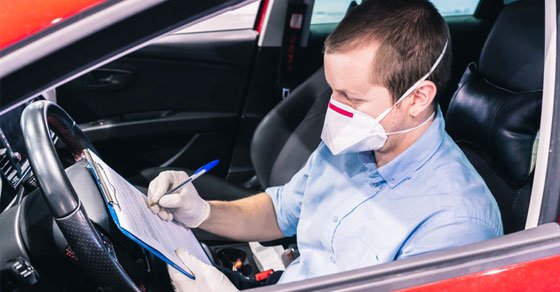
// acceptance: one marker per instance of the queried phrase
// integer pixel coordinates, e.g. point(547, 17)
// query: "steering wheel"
point(37, 122)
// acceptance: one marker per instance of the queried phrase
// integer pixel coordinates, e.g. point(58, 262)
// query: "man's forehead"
point(350, 69)
point(356, 50)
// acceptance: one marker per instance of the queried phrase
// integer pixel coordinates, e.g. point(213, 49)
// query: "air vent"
point(7, 168)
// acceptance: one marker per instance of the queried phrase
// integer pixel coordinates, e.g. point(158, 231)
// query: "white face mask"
point(349, 130)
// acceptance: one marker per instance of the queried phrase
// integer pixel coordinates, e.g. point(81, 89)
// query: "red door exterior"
point(538, 275)
point(20, 19)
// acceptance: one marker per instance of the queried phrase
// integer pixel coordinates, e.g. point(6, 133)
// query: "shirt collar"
point(412, 158)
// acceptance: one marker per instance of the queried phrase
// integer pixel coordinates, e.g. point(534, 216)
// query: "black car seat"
point(282, 142)
point(494, 115)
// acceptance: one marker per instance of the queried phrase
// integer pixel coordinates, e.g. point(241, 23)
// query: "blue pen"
point(202, 170)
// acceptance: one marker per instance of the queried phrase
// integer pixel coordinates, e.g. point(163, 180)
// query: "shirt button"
point(376, 184)
point(335, 219)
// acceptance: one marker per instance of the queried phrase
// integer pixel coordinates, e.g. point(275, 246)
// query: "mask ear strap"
point(385, 113)
point(413, 128)
point(413, 87)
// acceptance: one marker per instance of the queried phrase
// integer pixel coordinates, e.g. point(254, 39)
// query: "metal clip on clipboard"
point(108, 188)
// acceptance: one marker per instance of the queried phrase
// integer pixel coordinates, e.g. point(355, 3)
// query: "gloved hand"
point(207, 277)
point(185, 206)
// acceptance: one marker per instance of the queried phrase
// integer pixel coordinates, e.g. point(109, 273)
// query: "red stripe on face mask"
point(340, 111)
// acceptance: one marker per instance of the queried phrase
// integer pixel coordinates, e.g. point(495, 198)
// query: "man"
point(386, 183)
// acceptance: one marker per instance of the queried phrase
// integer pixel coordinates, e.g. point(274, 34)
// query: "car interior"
point(189, 98)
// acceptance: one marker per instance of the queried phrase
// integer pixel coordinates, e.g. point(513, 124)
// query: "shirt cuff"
point(286, 227)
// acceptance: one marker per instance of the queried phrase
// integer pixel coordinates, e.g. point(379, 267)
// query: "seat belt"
point(290, 50)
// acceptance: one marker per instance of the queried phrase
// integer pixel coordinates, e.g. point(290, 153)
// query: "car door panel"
point(156, 85)
point(175, 103)
point(177, 139)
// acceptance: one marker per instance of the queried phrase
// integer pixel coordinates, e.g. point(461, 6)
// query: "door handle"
point(107, 78)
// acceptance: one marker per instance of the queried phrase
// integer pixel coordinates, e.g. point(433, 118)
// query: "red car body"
point(539, 275)
point(22, 19)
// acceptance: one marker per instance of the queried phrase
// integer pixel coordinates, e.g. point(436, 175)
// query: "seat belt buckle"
point(263, 275)
point(289, 255)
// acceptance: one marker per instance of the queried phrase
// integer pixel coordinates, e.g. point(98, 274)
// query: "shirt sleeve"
point(287, 199)
point(446, 232)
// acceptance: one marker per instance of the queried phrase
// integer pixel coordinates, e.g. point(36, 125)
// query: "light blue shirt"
point(348, 213)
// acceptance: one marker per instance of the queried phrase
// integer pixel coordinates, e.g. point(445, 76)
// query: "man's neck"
point(399, 145)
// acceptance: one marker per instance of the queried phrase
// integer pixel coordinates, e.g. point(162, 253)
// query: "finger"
point(192, 263)
point(155, 209)
point(205, 272)
point(151, 187)
point(190, 189)
point(169, 216)
point(171, 201)
point(163, 215)
point(158, 187)
point(179, 281)
point(174, 274)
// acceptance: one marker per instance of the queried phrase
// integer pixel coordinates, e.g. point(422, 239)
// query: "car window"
point(329, 11)
point(332, 11)
point(240, 18)
point(456, 8)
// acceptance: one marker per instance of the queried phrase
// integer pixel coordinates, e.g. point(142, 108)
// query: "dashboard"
point(15, 170)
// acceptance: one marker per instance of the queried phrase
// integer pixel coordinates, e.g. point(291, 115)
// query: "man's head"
point(381, 49)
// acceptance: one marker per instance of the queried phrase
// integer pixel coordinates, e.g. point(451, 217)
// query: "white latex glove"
point(207, 277)
point(185, 206)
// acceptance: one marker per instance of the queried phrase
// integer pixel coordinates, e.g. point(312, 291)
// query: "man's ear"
point(422, 98)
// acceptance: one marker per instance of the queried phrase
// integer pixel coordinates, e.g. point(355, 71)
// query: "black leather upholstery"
point(501, 123)
point(288, 134)
point(494, 115)
point(513, 55)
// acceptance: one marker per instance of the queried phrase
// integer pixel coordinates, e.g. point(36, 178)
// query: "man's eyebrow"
point(349, 95)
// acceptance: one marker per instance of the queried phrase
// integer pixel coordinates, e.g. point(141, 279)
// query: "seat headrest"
point(496, 121)
point(513, 55)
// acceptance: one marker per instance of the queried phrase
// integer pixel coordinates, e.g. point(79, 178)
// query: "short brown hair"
point(411, 35)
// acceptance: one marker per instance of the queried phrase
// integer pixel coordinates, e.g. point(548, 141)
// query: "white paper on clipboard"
point(133, 216)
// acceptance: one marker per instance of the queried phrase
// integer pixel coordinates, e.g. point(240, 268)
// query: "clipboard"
point(107, 190)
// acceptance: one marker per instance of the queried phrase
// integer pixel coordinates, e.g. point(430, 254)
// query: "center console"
point(238, 256)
